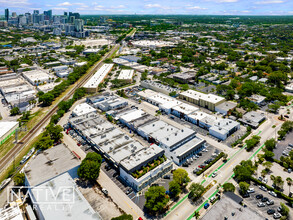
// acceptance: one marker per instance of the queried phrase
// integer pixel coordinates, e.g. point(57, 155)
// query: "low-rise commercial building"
point(93, 83)
point(158, 87)
point(107, 102)
point(60, 69)
point(37, 77)
point(126, 75)
point(253, 118)
point(123, 151)
point(185, 77)
point(82, 109)
point(225, 108)
point(209, 101)
point(7, 129)
point(257, 99)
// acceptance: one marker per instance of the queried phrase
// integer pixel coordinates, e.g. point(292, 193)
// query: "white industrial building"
point(7, 129)
point(152, 43)
point(51, 192)
point(82, 109)
point(126, 75)
point(37, 77)
point(60, 69)
point(121, 149)
point(158, 87)
point(107, 102)
point(62, 74)
point(93, 83)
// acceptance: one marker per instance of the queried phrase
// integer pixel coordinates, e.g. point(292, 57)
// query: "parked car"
point(271, 211)
point(207, 205)
point(290, 145)
point(279, 209)
point(277, 215)
point(129, 190)
point(246, 195)
point(289, 170)
point(272, 193)
point(259, 178)
point(261, 204)
point(167, 177)
point(265, 199)
point(270, 202)
point(259, 196)
point(265, 180)
point(105, 191)
point(250, 190)
point(263, 188)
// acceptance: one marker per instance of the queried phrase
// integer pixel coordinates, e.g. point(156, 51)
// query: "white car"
point(263, 188)
point(260, 204)
point(265, 180)
point(277, 215)
point(214, 174)
point(250, 190)
point(272, 193)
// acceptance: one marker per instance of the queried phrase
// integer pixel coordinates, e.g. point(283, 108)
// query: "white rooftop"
point(126, 74)
point(77, 206)
point(198, 95)
point(133, 115)
point(6, 126)
point(185, 108)
point(82, 109)
point(99, 76)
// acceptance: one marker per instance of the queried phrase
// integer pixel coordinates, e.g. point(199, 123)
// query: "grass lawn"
point(5, 42)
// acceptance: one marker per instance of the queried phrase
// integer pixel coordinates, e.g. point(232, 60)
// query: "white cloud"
point(153, 6)
point(119, 6)
point(226, 1)
point(16, 3)
point(65, 4)
point(196, 8)
point(265, 2)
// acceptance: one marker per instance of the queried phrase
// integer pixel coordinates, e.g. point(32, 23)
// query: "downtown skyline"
point(199, 7)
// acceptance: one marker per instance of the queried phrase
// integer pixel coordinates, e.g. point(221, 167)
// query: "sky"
point(193, 7)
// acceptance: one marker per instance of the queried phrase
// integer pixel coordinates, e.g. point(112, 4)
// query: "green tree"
point(54, 131)
point(244, 171)
point(174, 188)
point(284, 210)
point(196, 191)
point(243, 187)
point(46, 99)
point(156, 199)
point(268, 155)
point(19, 179)
point(270, 144)
point(123, 217)
point(289, 183)
point(14, 111)
point(90, 167)
point(181, 177)
point(229, 187)
point(184, 87)
point(44, 143)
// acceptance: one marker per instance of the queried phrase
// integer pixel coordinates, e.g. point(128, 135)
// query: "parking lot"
point(207, 153)
point(252, 202)
point(283, 146)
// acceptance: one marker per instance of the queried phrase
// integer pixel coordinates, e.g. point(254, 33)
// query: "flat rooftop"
point(224, 208)
point(6, 126)
point(82, 109)
point(226, 106)
point(201, 96)
point(50, 163)
point(126, 74)
point(99, 76)
point(77, 207)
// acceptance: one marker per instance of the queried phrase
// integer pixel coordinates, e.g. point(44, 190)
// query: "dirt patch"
point(99, 202)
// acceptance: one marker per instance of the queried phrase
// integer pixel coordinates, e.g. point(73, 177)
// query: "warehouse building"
point(223, 128)
point(82, 109)
point(37, 77)
point(126, 75)
point(60, 69)
point(209, 101)
point(158, 87)
point(123, 151)
point(179, 144)
point(7, 129)
point(107, 102)
point(225, 108)
point(253, 118)
point(94, 82)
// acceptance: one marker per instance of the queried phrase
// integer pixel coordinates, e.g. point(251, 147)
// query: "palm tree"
point(289, 182)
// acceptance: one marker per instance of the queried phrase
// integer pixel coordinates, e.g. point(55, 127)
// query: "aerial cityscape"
point(142, 110)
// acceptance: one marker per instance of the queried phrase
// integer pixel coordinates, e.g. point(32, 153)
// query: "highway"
point(13, 153)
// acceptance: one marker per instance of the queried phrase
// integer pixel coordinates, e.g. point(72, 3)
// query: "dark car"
point(264, 199)
point(107, 167)
point(271, 211)
point(259, 196)
point(167, 177)
point(246, 195)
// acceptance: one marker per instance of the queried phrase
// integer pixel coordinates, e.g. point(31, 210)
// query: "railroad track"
point(13, 153)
